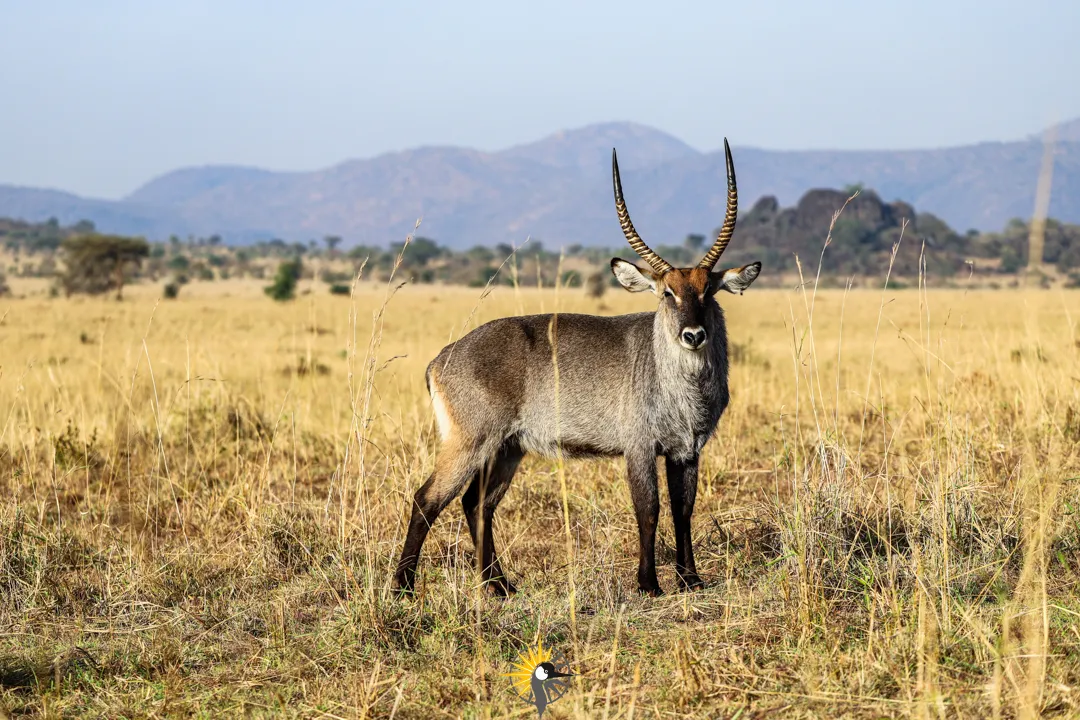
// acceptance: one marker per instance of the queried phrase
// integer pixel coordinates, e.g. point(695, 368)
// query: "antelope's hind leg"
point(454, 468)
point(487, 489)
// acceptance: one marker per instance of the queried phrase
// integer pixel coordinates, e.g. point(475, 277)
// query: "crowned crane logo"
point(540, 676)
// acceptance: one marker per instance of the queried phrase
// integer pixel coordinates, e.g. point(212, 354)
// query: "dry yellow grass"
point(201, 501)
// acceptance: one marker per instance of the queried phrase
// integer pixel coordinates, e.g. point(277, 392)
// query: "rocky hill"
point(559, 189)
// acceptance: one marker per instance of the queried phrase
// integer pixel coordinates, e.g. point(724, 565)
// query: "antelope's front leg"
point(682, 480)
point(641, 473)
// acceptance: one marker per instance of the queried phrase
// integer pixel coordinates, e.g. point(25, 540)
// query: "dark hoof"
point(402, 584)
point(653, 591)
point(500, 588)
point(688, 583)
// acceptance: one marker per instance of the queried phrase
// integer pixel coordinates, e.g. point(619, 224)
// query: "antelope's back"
point(501, 378)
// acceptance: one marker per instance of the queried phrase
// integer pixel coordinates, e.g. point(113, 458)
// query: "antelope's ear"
point(735, 280)
point(631, 277)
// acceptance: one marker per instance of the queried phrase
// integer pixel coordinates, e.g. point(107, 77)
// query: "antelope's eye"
point(668, 293)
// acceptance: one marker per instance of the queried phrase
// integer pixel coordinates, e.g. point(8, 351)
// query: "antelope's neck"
point(690, 392)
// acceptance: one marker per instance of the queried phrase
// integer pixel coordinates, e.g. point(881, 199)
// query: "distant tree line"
point(863, 236)
point(81, 260)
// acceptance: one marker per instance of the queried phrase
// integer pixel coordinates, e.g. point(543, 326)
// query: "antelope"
point(640, 385)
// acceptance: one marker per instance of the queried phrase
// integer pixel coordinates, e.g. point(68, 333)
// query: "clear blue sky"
point(98, 97)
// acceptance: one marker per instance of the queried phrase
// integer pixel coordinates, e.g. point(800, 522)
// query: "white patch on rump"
point(442, 414)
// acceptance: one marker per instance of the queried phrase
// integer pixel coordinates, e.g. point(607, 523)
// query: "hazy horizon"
point(110, 96)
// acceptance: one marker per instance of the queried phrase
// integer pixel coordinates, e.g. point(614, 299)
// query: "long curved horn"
point(644, 251)
point(724, 236)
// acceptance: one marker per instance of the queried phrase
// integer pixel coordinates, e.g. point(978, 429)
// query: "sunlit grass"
point(206, 497)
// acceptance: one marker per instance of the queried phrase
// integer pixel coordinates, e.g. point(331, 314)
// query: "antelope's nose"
point(693, 337)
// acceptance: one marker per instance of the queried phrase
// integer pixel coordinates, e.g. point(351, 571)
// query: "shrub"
point(171, 290)
point(596, 284)
point(284, 286)
point(332, 276)
point(483, 277)
point(178, 262)
point(1011, 260)
point(340, 289)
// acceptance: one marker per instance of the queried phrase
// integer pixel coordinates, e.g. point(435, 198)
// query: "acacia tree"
point(95, 264)
point(694, 242)
point(332, 241)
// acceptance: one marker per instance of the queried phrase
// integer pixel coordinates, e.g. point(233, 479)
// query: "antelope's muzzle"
point(692, 338)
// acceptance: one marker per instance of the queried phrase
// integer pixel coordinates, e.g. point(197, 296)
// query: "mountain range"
point(558, 190)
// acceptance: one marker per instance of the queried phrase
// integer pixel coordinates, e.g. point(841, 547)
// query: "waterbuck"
point(639, 385)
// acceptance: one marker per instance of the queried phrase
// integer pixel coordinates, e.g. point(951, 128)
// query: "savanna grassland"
point(201, 501)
